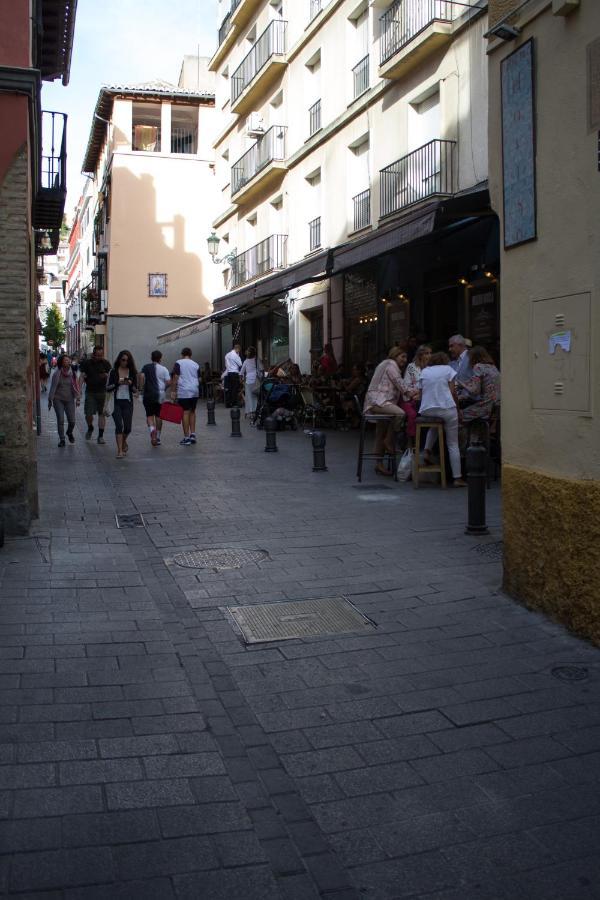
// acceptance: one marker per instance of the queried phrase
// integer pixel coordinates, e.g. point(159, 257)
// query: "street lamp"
point(213, 242)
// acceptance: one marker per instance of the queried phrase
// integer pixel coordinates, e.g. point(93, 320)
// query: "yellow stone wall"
point(552, 546)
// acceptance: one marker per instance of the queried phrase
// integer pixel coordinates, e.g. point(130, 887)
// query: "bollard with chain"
point(271, 435)
point(235, 422)
point(318, 441)
point(477, 484)
point(210, 412)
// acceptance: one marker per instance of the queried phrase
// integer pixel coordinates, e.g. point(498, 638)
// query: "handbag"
point(171, 412)
point(255, 389)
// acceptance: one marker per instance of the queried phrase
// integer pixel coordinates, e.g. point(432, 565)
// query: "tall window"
point(145, 120)
point(184, 129)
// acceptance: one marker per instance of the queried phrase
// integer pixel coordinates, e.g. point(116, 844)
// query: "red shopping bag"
point(171, 412)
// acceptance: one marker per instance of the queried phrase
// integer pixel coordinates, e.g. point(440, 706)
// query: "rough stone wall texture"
point(500, 8)
point(18, 475)
point(552, 546)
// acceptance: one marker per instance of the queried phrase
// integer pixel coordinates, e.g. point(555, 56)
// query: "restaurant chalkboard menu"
point(483, 319)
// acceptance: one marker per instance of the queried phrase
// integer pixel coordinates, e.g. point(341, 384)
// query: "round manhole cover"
point(570, 673)
point(218, 559)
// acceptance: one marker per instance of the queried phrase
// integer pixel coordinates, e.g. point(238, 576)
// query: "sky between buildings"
point(124, 42)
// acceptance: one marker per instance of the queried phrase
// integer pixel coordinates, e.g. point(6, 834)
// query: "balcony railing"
point(406, 18)
point(314, 234)
point(315, 8)
point(259, 260)
point(362, 209)
point(418, 175)
point(49, 205)
point(270, 147)
point(225, 28)
point(314, 118)
point(183, 140)
point(272, 42)
point(360, 76)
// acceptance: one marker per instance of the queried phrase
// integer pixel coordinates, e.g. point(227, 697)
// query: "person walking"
point(122, 383)
point(185, 385)
point(94, 374)
point(153, 382)
point(44, 373)
point(231, 381)
point(64, 396)
point(249, 373)
point(439, 400)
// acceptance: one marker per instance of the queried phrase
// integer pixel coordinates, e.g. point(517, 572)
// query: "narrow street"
point(447, 751)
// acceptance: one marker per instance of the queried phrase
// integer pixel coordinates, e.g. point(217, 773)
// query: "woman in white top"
point(438, 400)
point(249, 373)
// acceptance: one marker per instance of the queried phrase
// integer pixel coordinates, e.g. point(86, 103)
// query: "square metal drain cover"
point(218, 559)
point(132, 520)
point(298, 619)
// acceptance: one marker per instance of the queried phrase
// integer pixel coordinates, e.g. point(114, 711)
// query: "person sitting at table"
point(438, 399)
point(355, 386)
point(328, 362)
point(483, 388)
point(295, 376)
point(382, 398)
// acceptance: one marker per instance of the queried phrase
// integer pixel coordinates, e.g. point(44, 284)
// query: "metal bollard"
point(318, 441)
point(235, 423)
point(210, 412)
point(271, 435)
point(477, 483)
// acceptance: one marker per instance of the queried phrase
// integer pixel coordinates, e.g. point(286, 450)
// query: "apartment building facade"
point(544, 128)
point(149, 156)
point(352, 168)
point(36, 40)
point(81, 317)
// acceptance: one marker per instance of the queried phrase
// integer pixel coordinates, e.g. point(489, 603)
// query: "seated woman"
point(438, 400)
point(410, 393)
point(483, 388)
point(382, 397)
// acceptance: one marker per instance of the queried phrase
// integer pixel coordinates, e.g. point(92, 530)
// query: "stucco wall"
point(498, 9)
point(139, 335)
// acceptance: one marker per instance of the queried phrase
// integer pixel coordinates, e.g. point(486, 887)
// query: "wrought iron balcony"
point(314, 118)
point(423, 173)
point(269, 148)
point(362, 209)
point(405, 19)
point(259, 260)
point(314, 234)
point(49, 204)
point(315, 8)
point(360, 76)
point(272, 42)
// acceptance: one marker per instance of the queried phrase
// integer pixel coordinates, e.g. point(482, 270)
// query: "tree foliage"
point(54, 327)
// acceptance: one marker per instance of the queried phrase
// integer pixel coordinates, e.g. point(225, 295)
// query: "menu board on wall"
point(518, 146)
point(397, 324)
point(483, 318)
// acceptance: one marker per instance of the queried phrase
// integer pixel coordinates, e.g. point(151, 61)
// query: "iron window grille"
point(314, 118)
point(314, 234)
point(362, 209)
point(360, 76)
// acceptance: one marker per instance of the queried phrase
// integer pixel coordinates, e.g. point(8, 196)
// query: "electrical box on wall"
point(560, 353)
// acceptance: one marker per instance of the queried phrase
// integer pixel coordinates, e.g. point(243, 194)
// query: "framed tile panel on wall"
point(518, 146)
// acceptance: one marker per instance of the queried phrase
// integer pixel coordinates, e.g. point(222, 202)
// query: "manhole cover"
point(219, 559)
point(492, 551)
point(298, 619)
point(570, 673)
point(132, 520)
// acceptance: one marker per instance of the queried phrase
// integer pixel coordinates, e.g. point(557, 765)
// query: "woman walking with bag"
point(64, 396)
point(250, 375)
point(122, 385)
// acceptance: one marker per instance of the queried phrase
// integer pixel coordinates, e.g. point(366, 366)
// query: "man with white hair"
point(459, 357)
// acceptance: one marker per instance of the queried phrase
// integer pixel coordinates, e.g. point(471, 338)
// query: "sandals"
point(120, 455)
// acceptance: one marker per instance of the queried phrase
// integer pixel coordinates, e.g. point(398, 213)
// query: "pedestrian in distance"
point(94, 374)
point(64, 396)
point(250, 376)
point(231, 381)
point(154, 379)
point(122, 383)
point(44, 373)
point(185, 388)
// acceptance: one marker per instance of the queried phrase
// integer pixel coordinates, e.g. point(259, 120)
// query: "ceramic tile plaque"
point(518, 146)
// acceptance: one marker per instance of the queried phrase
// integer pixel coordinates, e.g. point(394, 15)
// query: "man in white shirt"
point(459, 357)
point(231, 382)
point(185, 379)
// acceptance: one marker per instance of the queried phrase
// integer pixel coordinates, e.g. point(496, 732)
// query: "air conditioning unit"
point(255, 125)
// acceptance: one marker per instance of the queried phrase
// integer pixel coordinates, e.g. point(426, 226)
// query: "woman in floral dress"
point(483, 388)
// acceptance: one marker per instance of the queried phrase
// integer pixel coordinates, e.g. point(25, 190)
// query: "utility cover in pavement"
point(493, 551)
point(298, 619)
point(219, 559)
point(132, 520)
point(570, 673)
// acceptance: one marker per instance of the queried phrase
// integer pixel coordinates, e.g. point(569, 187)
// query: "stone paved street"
point(147, 752)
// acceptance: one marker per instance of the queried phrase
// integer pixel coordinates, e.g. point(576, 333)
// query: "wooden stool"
point(364, 419)
point(423, 423)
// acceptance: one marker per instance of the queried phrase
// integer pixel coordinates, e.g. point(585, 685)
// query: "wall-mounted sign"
point(518, 146)
point(157, 284)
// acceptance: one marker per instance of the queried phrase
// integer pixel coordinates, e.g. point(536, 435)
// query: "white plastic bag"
point(405, 466)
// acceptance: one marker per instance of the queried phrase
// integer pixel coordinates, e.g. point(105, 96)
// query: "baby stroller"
point(281, 401)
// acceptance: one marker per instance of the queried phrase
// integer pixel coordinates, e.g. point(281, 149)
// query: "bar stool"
point(423, 423)
point(365, 418)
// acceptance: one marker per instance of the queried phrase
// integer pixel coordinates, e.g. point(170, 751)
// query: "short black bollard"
point(210, 412)
point(318, 441)
point(235, 423)
point(477, 483)
point(271, 435)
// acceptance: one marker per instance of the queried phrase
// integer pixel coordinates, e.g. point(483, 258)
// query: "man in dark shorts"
point(154, 379)
point(94, 372)
point(186, 384)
